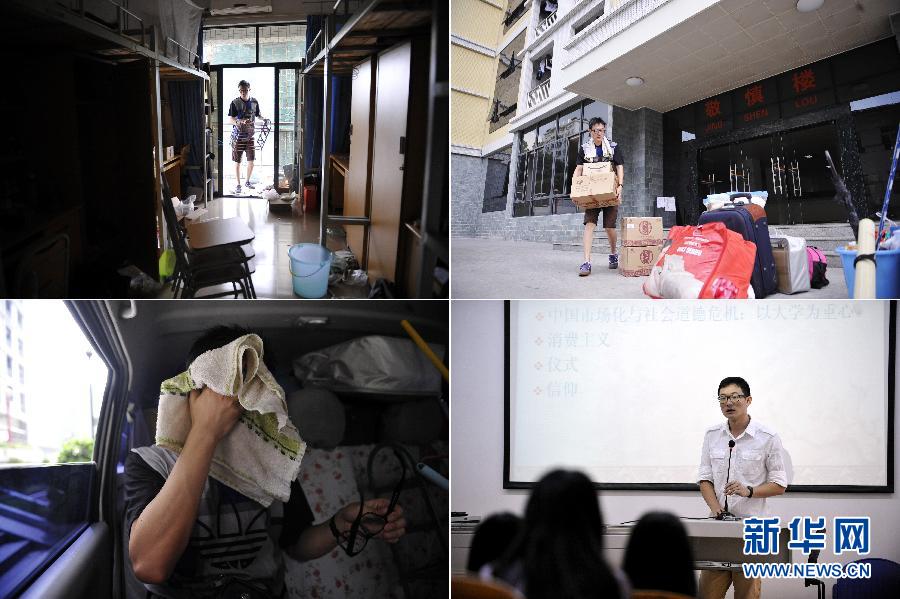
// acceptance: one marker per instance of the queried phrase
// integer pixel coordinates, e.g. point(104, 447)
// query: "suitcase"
point(791, 264)
point(739, 219)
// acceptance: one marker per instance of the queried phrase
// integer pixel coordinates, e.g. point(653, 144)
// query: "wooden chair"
point(198, 270)
point(209, 258)
point(469, 587)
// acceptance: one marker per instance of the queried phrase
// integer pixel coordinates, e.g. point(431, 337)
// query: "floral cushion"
point(329, 482)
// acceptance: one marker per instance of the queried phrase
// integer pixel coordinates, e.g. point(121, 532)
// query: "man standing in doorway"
point(600, 149)
point(243, 111)
point(741, 464)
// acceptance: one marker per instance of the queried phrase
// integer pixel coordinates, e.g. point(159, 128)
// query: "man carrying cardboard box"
point(600, 149)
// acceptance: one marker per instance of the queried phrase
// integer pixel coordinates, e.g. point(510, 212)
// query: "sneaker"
point(614, 261)
point(237, 190)
point(250, 185)
point(585, 269)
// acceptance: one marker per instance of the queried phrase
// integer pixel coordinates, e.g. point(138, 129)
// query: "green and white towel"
point(261, 455)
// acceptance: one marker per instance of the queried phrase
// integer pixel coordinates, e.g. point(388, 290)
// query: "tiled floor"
point(275, 233)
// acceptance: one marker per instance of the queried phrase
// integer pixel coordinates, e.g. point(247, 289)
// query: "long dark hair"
point(659, 555)
point(560, 548)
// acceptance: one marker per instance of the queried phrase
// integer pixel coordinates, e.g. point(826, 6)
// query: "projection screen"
point(624, 391)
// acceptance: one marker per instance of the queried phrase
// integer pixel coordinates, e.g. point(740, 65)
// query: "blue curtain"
point(186, 101)
point(339, 109)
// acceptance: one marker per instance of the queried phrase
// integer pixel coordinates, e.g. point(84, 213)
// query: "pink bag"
point(818, 262)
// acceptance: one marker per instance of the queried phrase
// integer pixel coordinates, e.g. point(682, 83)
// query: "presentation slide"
point(625, 393)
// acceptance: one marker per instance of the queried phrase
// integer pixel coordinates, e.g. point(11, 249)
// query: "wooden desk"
point(338, 166)
point(219, 232)
point(171, 170)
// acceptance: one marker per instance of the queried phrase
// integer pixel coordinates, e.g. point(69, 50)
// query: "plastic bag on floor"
point(373, 364)
point(141, 284)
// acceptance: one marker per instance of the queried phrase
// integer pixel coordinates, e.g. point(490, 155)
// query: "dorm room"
point(117, 107)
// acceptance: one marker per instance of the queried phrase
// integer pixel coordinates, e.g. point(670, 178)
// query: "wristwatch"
point(751, 491)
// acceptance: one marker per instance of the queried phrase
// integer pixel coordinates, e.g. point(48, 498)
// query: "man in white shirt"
point(757, 471)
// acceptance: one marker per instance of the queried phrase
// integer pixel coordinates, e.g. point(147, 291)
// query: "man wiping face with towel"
point(205, 504)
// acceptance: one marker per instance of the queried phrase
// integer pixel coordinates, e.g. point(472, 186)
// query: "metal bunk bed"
point(375, 26)
point(130, 36)
point(125, 39)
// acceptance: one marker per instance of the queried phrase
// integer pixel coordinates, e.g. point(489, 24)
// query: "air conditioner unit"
point(218, 8)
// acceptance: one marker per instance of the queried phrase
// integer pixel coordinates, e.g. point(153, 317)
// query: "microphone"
point(726, 514)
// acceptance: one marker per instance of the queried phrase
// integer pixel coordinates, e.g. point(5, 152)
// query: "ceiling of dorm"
point(719, 48)
point(43, 37)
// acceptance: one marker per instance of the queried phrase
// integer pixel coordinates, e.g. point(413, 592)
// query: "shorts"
point(241, 146)
point(243, 141)
point(592, 215)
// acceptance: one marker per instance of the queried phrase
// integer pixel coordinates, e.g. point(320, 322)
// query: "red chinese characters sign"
point(714, 115)
point(755, 103)
point(806, 88)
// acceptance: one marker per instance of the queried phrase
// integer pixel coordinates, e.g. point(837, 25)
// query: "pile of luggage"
point(729, 255)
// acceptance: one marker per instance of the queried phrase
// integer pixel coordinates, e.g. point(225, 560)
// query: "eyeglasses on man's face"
point(734, 397)
point(598, 131)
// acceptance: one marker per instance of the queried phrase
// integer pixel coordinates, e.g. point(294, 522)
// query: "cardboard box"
point(596, 190)
point(638, 261)
point(641, 230)
point(781, 267)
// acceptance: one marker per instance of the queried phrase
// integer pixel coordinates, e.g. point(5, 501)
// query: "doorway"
point(789, 165)
point(262, 88)
point(276, 88)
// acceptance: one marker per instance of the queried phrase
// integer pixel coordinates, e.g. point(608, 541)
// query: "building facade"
point(13, 426)
point(703, 96)
point(486, 45)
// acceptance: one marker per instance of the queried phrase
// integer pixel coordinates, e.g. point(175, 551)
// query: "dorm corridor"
point(210, 148)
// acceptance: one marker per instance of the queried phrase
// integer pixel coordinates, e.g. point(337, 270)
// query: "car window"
point(51, 391)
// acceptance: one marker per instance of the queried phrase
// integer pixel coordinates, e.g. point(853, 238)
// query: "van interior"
point(359, 441)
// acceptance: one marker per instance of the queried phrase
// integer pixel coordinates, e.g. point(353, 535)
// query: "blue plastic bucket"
point(310, 266)
point(887, 272)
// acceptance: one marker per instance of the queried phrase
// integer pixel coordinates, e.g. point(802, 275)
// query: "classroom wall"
point(477, 460)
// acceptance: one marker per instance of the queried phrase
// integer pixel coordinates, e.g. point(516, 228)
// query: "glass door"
point(811, 178)
point(789, 165)
point(286, 142)
point(262, 87)
point(215, 135)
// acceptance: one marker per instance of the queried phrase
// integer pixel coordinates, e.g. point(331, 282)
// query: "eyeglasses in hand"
point(369, 524)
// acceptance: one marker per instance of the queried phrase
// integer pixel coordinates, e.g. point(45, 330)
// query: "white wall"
point(477, 453)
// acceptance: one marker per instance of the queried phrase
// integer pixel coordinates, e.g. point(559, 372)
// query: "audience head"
point(659, 555)
point(560, 550)
point(492, 538)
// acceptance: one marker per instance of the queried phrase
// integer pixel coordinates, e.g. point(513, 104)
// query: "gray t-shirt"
point(233, 538)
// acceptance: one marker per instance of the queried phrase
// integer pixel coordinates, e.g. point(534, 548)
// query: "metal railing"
point(315, 46)
point(194, 57)
point(538, 94)
point(122, 22)
point(513, 14)
point(141, 34)
point(544, 25)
